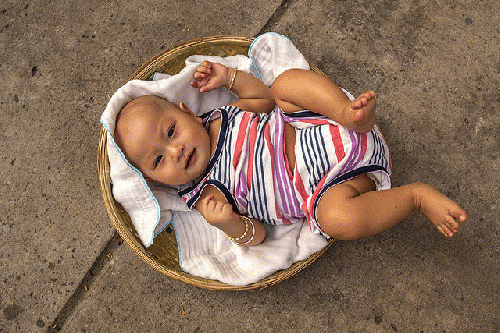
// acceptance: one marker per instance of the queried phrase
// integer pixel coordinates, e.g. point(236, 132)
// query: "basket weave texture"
point(162, 254)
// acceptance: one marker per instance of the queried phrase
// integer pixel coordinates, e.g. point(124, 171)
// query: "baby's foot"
point(441, 210)
point(360, 113)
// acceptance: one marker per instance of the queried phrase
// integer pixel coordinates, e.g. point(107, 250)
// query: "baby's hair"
point(123, 120)
point(126, 113)
point(125, 117)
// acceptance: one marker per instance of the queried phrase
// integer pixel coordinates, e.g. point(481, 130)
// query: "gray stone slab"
point(435, 67)
point(59, 63)
point(375, 285)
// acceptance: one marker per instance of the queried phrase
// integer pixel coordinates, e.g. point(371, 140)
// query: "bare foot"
point(360, 113)
point(441, 210)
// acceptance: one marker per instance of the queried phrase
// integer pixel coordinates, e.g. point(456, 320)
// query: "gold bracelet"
point(246, 220)
point(253, 232)
point(230, 83)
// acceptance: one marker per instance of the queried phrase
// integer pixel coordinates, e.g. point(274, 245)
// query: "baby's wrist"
point(234, 228)
point(248, 234)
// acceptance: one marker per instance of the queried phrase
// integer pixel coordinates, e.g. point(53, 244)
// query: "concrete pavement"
point(436, 68)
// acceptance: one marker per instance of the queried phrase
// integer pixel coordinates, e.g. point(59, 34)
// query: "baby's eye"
point(158, 160)
point(171, 131)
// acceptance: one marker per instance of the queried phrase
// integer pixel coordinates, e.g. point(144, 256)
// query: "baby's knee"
point(289, 74)
point(341, 224)
point(283, 80)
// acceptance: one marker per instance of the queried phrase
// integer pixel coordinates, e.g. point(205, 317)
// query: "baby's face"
point(167, 143)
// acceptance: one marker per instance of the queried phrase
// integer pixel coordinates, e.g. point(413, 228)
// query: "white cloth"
point(204, 250)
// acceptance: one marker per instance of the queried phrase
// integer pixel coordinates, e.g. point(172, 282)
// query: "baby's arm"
point(214, 207)
point(254, 96)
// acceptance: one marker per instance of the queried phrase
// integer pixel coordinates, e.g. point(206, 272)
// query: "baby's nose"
point(176, 151)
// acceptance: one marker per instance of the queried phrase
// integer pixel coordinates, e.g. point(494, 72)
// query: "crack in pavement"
point(277, 15)
point(99, 264)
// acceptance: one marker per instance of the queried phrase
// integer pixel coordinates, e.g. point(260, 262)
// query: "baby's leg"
point(348, 211)
point(298, 89)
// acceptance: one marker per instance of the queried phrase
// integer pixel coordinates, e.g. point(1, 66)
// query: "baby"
point(300, 149)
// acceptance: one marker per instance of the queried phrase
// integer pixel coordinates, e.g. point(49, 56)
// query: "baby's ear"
point(184, 108)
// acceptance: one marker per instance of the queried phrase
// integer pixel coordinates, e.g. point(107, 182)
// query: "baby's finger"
point(199, 75)
point(208, 199)
point(227, 209)
point(207, 87)
point(206, 63)
point(204, 89)
point(211, 206)
point(204, 68)
point(219, 206)
point(196, 83)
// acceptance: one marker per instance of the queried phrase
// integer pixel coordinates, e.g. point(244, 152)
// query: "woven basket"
point(162, 254)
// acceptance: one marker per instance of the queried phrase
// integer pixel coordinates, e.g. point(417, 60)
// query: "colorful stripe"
point(251, 169)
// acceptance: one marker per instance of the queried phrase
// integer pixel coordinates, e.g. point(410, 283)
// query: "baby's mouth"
point(190, 159)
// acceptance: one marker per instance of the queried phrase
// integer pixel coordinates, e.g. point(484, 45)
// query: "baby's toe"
point(359, 115)
point(452, 224)
point(458, 214)
point(442, 228)
point(356, 104)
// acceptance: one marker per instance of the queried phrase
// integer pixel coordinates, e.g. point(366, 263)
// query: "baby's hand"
point(218, 213)
point(210, 76)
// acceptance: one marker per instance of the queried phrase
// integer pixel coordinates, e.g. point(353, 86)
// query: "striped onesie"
point(250, 168)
